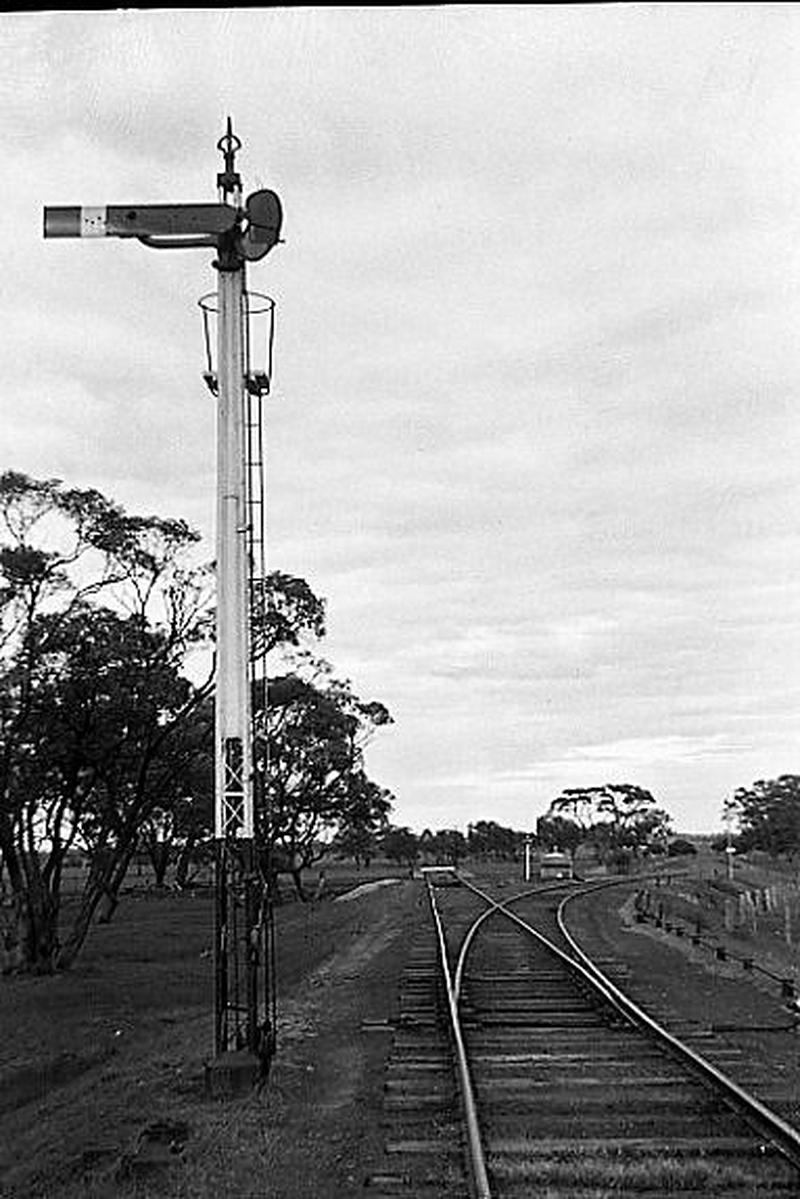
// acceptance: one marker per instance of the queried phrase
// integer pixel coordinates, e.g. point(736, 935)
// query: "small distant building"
point(555, 864)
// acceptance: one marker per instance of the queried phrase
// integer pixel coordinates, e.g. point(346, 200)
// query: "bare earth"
point(77, 1092)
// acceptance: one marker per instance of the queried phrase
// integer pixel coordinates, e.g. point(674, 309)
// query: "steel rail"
point(783, 1135)
point(494, 906)
point(477, 1157)
point(609, 994)
point(761, 1118)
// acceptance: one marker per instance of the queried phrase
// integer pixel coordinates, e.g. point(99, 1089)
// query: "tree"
point(96, 761)
point(180, 825)
point(364, 815)
point(450, 845)
point(620, 819)
point(768, 814)
point(359, 844)
point(89, 692)
point(426, 844)
point(103, 737)
point(313, 733)
point(627, 809)
point(558, 832)
point(290, 613)
point(577, 804)
point(400, 844)
point(487, 839)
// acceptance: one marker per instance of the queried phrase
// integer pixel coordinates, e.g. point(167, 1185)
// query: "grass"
point(90, 1058)
point(706, 900)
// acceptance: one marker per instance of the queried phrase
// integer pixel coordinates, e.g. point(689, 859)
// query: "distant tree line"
point(616, 823)
point(483, 840)
point(106, 740)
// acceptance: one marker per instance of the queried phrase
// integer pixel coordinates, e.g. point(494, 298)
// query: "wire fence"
point(715, 913)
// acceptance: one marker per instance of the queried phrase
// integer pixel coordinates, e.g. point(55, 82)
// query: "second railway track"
point(513, 1075)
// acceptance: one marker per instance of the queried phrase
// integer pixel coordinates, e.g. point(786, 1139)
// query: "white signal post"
point(234, 756)
point(244, 1024)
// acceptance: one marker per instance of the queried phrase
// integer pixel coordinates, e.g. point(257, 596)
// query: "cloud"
point(645, 751)
point(533, 431)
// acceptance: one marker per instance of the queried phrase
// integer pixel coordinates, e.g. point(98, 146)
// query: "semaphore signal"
point(239, 232)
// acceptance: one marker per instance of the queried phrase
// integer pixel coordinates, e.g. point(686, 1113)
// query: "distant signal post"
point(238, 232)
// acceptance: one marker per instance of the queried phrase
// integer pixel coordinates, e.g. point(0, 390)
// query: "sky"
point(534, 427)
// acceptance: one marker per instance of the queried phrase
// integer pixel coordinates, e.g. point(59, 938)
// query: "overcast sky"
point(535, 429)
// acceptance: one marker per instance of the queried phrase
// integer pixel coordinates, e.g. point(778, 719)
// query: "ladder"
point(256, 389)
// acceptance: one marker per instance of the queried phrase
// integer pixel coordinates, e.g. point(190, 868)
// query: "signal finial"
point(229, 181)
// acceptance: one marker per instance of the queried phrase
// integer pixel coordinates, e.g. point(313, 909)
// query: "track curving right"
point(545, 1086)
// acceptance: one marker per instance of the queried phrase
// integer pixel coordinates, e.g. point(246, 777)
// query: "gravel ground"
point(327, 1082)
point(691, 992)
point(322, 1107)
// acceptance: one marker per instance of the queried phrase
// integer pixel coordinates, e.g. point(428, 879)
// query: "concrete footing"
point(234, 1074)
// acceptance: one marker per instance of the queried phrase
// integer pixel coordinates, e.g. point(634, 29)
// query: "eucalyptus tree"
point(177, 834)
point(363, 817)
point(768, 815)
point(97, 612)
point(617, 818)
point(311, 738)
point(554, 831)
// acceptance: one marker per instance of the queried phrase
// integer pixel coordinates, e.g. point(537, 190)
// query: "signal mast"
point(239, 232)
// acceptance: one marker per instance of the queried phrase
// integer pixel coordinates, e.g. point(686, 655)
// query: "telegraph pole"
point(244, 1030)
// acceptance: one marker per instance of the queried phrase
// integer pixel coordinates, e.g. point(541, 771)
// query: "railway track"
point(520, 1068)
